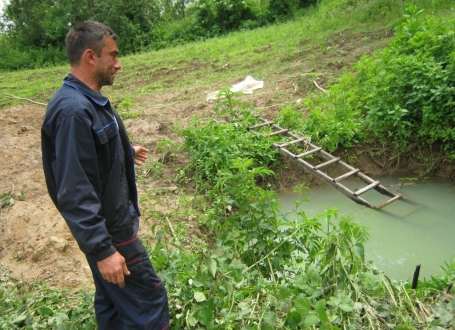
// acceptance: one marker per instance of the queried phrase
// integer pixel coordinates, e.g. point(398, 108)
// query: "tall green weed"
point(407, 90)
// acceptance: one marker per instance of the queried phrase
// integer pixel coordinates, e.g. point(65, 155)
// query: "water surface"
point(403, 236)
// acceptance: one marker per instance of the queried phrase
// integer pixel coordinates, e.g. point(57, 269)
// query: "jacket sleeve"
point(78, 185)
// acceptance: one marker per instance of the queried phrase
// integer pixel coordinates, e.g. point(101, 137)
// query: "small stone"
point(38, 253)
point(58, 243)
point(87, 270)
point(68, 267)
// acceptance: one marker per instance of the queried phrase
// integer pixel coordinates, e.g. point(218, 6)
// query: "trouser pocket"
point(143, 288)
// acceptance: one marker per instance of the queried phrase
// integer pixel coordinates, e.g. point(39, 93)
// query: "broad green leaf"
point(60, 318)
point(383, 309)
point(320, 309)
point(191, 320)
point(45, 311)
point(204, 315)
point(212, 266)
point(302, 305)
point(445, 316)
point(265, 326)
point(346, 305)
point(359, 251)
point(293, 319)
point(199, 297)
point(310, 320)
point(300, 282)
point(270, 318)
point(451, 306)
point(325, 327)
point(20, 318)
point(273, 300)
point(284, 292)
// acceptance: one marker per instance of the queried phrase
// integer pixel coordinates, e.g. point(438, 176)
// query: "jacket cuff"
point(103, 254)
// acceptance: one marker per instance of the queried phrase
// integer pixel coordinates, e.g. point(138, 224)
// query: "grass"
point(310, 44)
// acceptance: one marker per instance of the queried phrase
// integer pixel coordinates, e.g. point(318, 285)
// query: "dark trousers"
point(141, 304)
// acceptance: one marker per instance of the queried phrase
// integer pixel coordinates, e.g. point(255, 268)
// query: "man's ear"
point(89, 56)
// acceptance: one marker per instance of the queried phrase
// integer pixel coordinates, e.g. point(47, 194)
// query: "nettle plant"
point(406, 91)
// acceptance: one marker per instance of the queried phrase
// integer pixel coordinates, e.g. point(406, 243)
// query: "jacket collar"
point(82, 88)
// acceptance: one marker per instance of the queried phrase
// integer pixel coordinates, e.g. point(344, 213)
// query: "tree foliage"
point(40, 26)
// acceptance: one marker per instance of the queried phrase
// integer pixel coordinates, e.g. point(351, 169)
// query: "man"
point(89, 167)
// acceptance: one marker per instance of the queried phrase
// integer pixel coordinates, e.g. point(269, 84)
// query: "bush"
point(406, 91)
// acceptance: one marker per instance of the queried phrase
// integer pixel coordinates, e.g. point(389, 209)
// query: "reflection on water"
point(406, 234)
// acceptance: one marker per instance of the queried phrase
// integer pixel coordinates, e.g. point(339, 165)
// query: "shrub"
point(405, 91)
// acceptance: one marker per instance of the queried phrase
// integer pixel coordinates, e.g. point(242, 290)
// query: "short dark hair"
point(86, 35)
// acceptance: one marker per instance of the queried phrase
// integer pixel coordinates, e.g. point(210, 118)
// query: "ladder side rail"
point(346, 166)
point(365, 177)
point(324, 177)
point(383, 190)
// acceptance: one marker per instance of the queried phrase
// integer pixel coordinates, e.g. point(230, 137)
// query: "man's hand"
point(140, 155)
point(113, 269)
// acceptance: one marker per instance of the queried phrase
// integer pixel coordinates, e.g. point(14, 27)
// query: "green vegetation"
point(36, 306)
point(254, 267)
point(405, 93)
point(34, 31)
point(260, 269)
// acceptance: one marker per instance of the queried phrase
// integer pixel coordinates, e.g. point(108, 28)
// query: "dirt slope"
point(35, 243)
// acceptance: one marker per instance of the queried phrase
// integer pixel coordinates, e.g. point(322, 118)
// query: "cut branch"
point(24, 99)
point(170, 226)
point(320, 88)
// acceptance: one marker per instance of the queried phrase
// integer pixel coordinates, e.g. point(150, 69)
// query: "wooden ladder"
point(311, 149)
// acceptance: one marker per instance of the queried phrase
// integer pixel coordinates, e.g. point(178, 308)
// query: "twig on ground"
point(22, 98)
point(320, 88)
point(170, 226)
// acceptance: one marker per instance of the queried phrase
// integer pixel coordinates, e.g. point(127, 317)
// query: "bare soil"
point(35, 242)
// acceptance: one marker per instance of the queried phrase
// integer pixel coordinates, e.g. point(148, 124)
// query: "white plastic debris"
point(246, 87)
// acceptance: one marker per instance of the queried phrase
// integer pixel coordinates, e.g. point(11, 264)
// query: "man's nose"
point(117, 65)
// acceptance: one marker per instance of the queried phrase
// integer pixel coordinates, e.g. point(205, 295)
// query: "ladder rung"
point(393, 199)
point(261, 125)
point(308, 152)
point(289, 143)
point(281, 131)
point(346, 175)
point(334, 160)
point(365, 189)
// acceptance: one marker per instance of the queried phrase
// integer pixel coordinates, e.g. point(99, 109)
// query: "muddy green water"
point(407, 234)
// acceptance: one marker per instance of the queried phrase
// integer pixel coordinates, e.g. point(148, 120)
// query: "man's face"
point(107, 64)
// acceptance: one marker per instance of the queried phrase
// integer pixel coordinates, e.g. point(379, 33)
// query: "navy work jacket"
point(88, 163)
